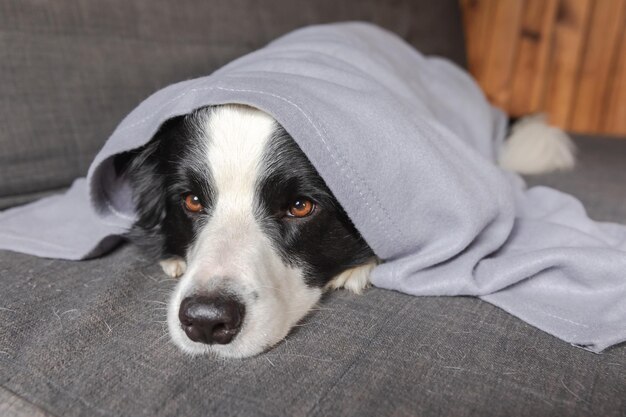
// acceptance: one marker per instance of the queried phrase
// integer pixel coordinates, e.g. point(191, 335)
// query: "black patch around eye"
point(188, 182)
point(159, 174)
point(323, 245)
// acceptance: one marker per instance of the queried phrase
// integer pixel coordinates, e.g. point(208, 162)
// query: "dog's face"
point(226, 196)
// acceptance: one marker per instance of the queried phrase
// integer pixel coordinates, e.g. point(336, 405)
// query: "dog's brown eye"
point(301, 207)
point(192, 203)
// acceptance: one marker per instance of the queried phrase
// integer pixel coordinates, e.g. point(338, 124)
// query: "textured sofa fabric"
point(599, 180)
point(88, 338)
point(72, 70)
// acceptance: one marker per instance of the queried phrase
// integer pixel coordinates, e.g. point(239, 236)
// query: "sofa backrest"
point(71, 70)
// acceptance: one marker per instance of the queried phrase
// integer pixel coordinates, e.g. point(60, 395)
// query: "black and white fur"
point(248, 271)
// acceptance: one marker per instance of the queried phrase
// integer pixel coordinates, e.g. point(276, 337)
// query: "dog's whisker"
point(306, 323)
point(150, 277)
point(301, 356)
point(323, 309)
point(162, 336)
point(155, 301)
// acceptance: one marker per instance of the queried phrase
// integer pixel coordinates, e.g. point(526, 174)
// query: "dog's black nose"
point(211, 318)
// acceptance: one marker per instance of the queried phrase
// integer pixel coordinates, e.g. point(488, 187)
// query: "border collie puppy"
point(227, 200)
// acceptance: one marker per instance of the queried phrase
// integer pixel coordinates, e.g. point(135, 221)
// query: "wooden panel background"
point(566, 58)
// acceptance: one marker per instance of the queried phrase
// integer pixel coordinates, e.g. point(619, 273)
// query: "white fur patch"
point(231, 252)
point(173, 267)
point(534, 147)
point(354, 279)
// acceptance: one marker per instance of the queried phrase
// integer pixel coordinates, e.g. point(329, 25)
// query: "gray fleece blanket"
point(407, 144)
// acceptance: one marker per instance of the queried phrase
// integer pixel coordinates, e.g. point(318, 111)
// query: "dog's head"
point(226, 196)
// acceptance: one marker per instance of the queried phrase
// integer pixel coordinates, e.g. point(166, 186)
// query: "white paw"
point(354, 279)
point(174, 267)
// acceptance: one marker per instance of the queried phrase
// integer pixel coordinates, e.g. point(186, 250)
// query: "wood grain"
point(570, 31)
point(503, 36)
point(615, 116)
point(566, 58)
point(476, 18)
point(530, 71)
point(600, 50)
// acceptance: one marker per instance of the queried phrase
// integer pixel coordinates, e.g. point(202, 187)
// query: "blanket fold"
point(407, 144)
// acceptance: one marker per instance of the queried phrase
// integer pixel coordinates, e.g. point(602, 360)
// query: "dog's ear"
point(126, 162)
point(145, 170)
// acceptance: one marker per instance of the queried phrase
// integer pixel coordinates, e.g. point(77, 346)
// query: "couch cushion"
point(599, 180)
point(70, 71)
point(87, 338)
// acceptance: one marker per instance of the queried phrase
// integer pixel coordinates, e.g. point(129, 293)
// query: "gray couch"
point(88, 338)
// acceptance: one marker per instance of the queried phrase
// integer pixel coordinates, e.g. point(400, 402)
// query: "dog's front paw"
point(355, 279)
point(174, 267)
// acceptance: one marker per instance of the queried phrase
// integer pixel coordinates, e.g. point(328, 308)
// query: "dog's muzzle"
point(211, 319)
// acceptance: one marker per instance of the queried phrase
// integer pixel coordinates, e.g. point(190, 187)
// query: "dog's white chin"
point(268, 320)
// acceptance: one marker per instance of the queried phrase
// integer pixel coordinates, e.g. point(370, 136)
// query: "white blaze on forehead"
point(237, 136)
